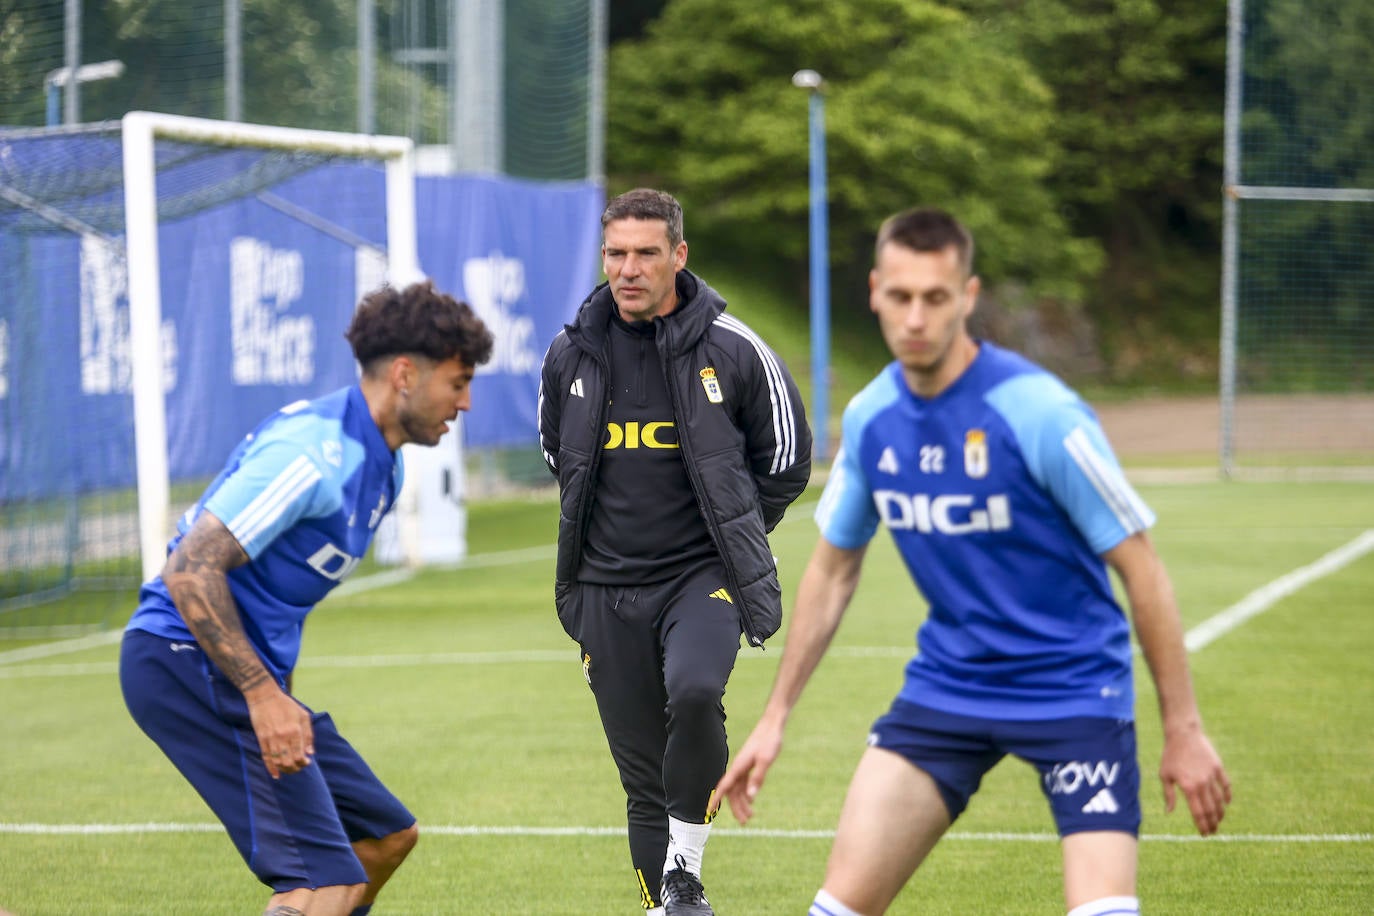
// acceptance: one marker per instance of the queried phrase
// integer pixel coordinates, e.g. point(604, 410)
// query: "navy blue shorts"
point(1087, 765)
point(293, 832)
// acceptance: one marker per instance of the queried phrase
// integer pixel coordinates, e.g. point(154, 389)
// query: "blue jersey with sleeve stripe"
point(303, 495)
point(1001, 493)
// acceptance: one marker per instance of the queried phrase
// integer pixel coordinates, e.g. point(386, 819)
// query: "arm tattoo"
point(196, 579)
point(283, 910)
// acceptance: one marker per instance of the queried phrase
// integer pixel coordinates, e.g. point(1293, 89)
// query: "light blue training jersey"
point(302, 494)
point(1000, 493)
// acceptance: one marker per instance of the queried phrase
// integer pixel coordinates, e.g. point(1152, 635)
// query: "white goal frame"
point(140, 130)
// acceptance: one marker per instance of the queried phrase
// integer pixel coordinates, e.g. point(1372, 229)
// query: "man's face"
point(922, 300)
point(440, 391)
point(641, 267)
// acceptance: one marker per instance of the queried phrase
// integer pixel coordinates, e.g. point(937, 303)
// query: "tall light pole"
point(811, 81)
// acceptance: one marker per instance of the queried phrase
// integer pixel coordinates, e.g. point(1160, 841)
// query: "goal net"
point(168, 282)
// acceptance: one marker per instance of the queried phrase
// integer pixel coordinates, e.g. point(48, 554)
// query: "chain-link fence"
point(497, 86)
point(1298, 280)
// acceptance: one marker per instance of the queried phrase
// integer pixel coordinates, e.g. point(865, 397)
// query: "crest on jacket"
point(712, 385)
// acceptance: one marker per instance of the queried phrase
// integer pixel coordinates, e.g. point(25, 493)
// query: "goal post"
point(169, 282)
point(140, 131)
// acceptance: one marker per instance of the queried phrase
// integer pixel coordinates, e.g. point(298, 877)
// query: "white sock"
point(826, 905)
point(686, 840)
point(656, 911)
point(1108, 906)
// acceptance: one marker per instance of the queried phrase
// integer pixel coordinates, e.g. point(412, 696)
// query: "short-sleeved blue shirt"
point(303, 495)
point(1001, 493)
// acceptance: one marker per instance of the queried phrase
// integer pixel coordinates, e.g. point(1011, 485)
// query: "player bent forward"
point(207, 657)
point(1004, 499)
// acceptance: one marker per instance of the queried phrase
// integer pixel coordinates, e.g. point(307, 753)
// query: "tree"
point(30, 47)
point(922, 108)
point(1138, 88)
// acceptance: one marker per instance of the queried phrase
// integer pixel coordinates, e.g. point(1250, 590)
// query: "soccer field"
point(467, 698)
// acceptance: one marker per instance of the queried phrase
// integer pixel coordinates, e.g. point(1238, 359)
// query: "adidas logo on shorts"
point(1103, 802)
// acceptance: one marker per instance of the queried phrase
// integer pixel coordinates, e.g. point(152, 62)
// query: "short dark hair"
point(646, 203)
point(418, 319)
point(927, 229)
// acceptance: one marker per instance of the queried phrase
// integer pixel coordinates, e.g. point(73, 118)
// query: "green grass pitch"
point(464, 694)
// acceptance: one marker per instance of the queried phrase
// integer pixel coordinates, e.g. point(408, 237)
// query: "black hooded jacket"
point(741, 428)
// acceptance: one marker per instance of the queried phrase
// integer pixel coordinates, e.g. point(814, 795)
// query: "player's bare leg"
point(335, 900)
point(1098, 864)
point(382, 857)
point(893, 816)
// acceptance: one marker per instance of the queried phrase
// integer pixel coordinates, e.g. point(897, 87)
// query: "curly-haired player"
point(207, 657)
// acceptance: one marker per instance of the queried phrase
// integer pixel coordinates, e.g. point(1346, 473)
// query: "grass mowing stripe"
point(1200, 636)
point(760, 833)
point(96, 640)
point(517, 656)
point(49, 649)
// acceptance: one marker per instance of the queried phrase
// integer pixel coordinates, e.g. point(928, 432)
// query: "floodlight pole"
point(811, 81)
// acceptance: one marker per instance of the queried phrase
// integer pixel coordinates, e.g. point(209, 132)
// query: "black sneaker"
point(682, 892)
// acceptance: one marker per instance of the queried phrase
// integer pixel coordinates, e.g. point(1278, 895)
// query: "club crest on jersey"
point(976, 453)
point(712, 385)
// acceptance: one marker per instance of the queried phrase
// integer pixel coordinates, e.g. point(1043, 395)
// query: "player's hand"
point(744, 778)
point(285, 736)
point(1193, 765)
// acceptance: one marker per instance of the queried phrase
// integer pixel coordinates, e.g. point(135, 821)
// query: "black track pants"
point(658, 658)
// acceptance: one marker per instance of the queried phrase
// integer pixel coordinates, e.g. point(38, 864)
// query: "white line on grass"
point(48, 649)
point(1265, 597)
point(95, 640)
point(745, 833)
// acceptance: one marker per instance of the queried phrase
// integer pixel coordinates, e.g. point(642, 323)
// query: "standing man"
point(679, 439)
point(1007, 504)
point(207, 658)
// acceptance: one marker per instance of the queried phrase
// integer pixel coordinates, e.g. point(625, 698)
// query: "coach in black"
point(679, 439)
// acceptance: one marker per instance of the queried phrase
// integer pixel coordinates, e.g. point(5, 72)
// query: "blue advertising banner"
point(524, 256)
point(256, 295)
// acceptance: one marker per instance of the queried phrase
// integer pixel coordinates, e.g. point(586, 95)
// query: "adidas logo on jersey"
point(723, 595)
point(575, 389)
point(887, 462)
point(1103, 802)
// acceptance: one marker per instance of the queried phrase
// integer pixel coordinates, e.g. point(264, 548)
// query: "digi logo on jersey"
point(948, 513)
point(332, 563)
point(654, 434)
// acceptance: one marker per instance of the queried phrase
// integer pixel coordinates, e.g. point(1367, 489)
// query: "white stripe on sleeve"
point(256, 517)
point(784, 418)
point(1108, 481)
